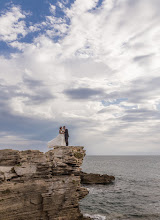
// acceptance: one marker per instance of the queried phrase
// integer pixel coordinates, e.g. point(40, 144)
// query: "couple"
point(61, 139)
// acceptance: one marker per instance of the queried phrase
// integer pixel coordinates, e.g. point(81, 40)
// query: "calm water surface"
point(134, 195)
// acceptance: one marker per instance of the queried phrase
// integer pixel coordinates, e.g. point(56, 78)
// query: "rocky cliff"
point(41, 186)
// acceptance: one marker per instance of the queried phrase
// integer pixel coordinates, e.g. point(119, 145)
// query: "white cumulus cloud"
point(12, 24)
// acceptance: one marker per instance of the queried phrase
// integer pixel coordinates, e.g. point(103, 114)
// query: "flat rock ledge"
point(91, 178)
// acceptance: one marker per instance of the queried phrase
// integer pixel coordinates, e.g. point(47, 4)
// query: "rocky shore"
point(44, 186)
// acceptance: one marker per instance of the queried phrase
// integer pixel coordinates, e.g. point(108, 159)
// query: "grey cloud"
point(116, 95)
point(39, 95)
point(83, 93)
point(152, 83)
point(131, 117)
point(114, 130)
point(6, 92)
point(142, 58)
point(30, 128)
point(132, 43)
point(143, 89)
point(32, 83)
point(38, 98)
point(136, 115)
point(104, 110)
point(25, 127)
point(139, 91)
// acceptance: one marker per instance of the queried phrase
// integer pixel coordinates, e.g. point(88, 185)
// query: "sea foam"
point(96, 216)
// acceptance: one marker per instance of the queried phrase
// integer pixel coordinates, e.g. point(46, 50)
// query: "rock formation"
point(39, 186)
point(91, 178)
point(42, 186)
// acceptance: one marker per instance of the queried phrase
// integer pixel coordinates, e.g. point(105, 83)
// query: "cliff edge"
point(41, 186)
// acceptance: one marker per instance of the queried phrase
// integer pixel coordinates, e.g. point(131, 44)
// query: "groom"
point(66, 135)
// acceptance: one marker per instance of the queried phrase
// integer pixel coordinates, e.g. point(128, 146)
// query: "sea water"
point(135, 193)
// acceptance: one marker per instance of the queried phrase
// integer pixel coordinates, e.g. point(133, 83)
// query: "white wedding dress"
point(58, 141)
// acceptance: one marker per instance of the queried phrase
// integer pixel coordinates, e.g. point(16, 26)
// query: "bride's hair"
point(60, 127)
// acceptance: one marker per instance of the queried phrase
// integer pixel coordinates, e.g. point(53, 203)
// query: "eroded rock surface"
point(91, 178)
point(39, 186)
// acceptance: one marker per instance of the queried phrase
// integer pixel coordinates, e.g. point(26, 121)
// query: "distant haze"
point(91, 65)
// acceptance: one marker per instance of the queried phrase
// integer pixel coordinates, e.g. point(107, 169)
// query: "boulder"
point(91, 178)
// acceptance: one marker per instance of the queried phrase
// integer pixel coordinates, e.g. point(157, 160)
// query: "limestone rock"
point(44, 186)
point(9, 157)
point(91, 178)
point(25, 169)
point(39, 186)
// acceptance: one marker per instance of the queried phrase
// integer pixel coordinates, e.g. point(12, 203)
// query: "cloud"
point(12, 24)
point(83, 93)
point(30, 95)
point(19, 132)
point(93, 67)
point(135, 115)
point(142, 58)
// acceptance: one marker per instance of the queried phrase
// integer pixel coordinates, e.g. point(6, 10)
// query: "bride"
point(59, 140)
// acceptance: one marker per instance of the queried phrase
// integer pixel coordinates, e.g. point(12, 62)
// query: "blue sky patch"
point(6, 49)
point(115, 102)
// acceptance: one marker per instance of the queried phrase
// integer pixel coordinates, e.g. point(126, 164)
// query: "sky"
point(92, 66)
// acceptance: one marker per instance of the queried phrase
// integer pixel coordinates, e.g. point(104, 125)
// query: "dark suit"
point(66, 136)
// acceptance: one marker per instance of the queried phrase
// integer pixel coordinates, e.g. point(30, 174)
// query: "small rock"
point(91, 178)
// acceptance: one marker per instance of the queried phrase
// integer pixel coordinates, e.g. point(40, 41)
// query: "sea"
point(135, 194)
